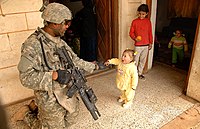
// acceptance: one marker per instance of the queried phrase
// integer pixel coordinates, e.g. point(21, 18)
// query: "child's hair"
point(180, 30)
point(131, 53)
point(143, 7)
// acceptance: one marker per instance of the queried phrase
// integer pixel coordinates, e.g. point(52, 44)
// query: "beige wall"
point(193, 89)
point(18, 19)
point(127, 12)
point(153, 22)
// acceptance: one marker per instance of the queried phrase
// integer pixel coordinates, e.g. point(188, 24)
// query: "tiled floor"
point(158, 100)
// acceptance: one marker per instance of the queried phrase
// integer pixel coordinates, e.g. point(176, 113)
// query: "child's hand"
point(96, 67)
point(170, 45)
point(106, 63)
point(150, 46)
point(185, 48)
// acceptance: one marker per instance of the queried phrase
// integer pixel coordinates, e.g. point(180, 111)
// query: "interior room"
point(172, 15)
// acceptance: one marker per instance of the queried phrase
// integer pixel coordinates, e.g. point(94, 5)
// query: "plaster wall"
point(18, 19)
point(153, 22)
point(193, 89)
point(127, 12)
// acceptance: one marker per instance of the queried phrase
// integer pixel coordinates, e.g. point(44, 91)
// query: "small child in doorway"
point(127, 76)
point(179, 46)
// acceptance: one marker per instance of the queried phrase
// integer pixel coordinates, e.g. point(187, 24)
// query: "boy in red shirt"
point(141, 33)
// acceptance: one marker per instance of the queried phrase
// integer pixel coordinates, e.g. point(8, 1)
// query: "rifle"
point(86, 93)
point(45, 3)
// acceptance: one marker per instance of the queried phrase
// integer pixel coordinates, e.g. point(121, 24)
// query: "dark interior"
point(166, 24)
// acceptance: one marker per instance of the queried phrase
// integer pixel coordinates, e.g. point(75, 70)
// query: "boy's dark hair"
point(143, 7)
point(180, 30)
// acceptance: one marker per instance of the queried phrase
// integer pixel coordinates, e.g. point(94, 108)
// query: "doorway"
point(168, 21)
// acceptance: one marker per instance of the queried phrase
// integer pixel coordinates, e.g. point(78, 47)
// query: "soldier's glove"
point(64, 76)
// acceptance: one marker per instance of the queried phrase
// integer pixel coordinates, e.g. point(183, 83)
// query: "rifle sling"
point(41, 43)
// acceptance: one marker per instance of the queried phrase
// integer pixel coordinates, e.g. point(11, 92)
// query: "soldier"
point(41, 70)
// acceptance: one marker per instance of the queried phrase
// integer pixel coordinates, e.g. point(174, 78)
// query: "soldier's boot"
point(20, 114)
point(33, 107)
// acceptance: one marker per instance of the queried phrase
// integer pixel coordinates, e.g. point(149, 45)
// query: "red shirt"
point(141, 27)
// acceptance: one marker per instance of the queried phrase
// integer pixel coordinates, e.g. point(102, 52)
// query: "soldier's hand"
point(96, 67)
point(54, 75)
point(64, 76)
point(150, 46)
point(106, 63)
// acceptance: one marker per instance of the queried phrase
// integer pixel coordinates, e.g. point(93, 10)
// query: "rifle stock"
point(86, 93)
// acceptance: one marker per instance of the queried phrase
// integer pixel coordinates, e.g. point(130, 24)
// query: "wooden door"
point(103, 11)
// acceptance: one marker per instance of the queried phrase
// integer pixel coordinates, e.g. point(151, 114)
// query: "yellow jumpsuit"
point(126, 79)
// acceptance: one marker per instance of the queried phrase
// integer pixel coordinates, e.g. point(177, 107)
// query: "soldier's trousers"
point(51, 115)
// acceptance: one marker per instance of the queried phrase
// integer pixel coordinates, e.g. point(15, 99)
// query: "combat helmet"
point(56, 13)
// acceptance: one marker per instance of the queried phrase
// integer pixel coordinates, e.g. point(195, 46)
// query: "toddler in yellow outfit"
point(127, 76)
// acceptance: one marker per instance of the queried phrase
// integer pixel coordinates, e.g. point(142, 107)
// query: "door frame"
point(192, 56)
point(114, 27)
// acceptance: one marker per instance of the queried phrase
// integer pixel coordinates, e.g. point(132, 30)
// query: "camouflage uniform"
point(36, 74)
